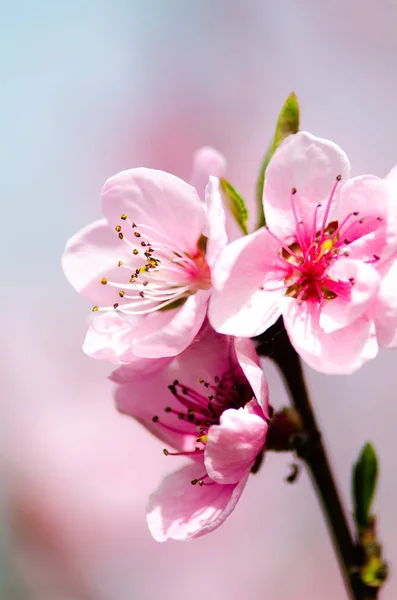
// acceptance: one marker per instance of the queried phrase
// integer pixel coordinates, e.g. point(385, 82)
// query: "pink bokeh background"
point(90, 89)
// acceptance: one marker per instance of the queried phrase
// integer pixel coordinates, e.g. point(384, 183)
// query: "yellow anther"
point(94, 308)
point(325, 247)
point(104, 281)
point(121, 294)
point(203, 439)
point(135, 251)
point(121, 236)
point(118, 228)
point(123, 216)
point(120, 263)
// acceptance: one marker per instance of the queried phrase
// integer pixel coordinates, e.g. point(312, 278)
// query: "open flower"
point(329, 243)
point(210, 404)
point(146, 267)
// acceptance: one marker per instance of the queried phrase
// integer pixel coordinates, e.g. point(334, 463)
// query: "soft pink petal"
point(310, 165)
point(91, 254)
point(234, 444)
point(369, 232)
point(216, 227)
point(169, 332)
point(365, 281)
point(392, 174)
point(238, 305)
point(340, 352)
point(109, 337)
point(206, 162)
point(147, 397)
point(179, 510)
point(138, 367)
point(384, 310)
point(158, 200)
point(249, 362)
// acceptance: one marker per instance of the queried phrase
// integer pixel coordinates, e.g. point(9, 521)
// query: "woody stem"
point(275, 344)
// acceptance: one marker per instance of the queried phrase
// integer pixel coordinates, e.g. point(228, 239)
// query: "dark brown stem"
point(275, 344)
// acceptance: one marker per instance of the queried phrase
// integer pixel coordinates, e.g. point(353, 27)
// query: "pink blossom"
point(326, 260)
point(210, 404)
point(146, 267)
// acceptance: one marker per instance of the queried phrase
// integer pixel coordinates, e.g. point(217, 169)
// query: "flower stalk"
point(275, 344)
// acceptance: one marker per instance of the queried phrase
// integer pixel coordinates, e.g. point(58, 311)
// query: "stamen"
point(328, 207)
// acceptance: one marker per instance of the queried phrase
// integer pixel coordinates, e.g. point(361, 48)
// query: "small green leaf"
point(235, 204)
point(287, 123)
point(365, 475)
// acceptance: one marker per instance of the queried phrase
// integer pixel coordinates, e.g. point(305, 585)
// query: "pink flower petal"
point(392, 174)
point(169, 332)
point(89, 255)
point(249, 362)
point(234, 444)
point(147, 397)
point(340, 352)
point(238, 306)
point(179, 510)
point(157, 200)
point(369, 233)
point(109, 337)
point(206, 162)
point(384, 310)
point(339, 312)
point(216, 228)
point(310, 165)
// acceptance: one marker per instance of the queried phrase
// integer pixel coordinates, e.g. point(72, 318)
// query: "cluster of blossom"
point(176, 306)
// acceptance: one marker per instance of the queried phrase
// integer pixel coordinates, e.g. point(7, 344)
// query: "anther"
point(181, 416)
point(201, 380)
point(175, 382)
point(145, 283)
point(293, 191)
point(346, 241)
point(338, 177)
point(137, 234)
point(168, 409)
point(376, 257)
point(94, 308)
point(355, 213)
point(121, 294)
point(155, 419)
point(135, 251)
point(143, 243)
point(124, 217)
point(118, 228)
point(361, 221)
point(104, 281)
point(121, 236)
point(351, 279)
point(201, 483)
point(115, 305)
point(133, 225)
point(119, 264)
point(165, 452)
point(142, 295)
point(193, 481)
point(379, 218)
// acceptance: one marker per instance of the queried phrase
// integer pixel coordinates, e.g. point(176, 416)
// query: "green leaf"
point(235, 204)
point(365, 475)
point(287, 123)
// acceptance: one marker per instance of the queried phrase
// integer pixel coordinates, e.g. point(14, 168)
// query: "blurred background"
point(89, 88)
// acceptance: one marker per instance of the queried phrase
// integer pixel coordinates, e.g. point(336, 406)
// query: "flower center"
point(307, 260)
point(155, 276)
point(194, 412)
